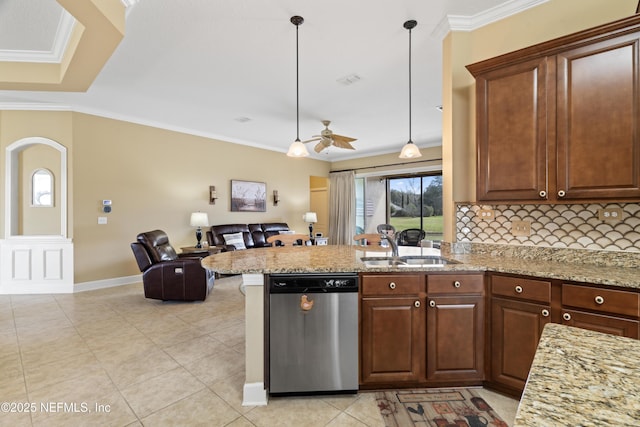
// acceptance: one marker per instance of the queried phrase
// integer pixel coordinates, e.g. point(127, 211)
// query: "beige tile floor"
point(113, 358)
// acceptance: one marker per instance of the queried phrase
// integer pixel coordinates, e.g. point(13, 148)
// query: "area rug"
point(451, 407)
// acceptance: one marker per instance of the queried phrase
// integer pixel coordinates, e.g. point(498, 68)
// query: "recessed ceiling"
point(226, 69)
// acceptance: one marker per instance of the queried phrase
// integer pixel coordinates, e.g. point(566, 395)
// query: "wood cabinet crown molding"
point(558, 45)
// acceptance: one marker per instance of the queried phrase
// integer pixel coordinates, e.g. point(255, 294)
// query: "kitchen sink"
point(408, 261)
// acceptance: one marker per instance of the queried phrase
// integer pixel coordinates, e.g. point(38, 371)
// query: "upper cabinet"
point(560, 121)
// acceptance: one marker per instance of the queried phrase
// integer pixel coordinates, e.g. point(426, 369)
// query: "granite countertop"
point(582, 378)
point(324, 259)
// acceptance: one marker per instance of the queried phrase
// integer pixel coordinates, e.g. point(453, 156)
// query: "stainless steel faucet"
point(392, 243)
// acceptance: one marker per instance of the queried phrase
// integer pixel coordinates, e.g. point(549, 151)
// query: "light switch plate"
point(521, 228)
point(102, 220)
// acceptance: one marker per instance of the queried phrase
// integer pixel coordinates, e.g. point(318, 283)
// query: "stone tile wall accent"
point(555, 226)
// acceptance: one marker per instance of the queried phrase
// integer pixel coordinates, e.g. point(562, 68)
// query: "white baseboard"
point(107, 283)
point(254, 394)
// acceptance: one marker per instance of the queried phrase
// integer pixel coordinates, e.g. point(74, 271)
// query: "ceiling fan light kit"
point(297, 148)
point(410, 150)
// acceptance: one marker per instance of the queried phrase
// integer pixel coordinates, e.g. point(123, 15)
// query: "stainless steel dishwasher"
point(313, 333)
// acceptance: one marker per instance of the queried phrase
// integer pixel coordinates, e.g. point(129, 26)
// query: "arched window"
point(42, 188)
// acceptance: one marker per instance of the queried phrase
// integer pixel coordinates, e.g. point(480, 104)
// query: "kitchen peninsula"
point(582, 378)
point(600, 269)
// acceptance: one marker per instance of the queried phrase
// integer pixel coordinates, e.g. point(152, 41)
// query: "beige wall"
point(155, 179)
point(550, 20)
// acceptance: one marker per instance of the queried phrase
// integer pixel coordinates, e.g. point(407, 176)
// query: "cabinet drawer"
point(529, 289)
point(605, 300)
point(455, 284)
point(392, 284)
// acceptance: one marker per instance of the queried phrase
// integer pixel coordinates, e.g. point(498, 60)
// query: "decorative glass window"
point(42, 188)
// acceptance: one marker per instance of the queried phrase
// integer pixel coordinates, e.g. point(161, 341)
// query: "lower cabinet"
point(516, 327)
point(411, 338)
point(611, 311)
point(455, 328)
point(392, 329)
point(392, 341)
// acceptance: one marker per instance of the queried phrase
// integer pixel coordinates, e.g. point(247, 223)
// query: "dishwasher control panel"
point(285, 283)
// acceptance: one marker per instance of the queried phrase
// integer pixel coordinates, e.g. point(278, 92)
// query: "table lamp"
point(199, 219)
point(311, 218)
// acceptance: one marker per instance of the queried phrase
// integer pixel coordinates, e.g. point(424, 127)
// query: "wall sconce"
point(276, 198)
point(212, 195)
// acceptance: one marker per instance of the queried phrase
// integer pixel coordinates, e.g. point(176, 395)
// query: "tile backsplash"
point(557, 226)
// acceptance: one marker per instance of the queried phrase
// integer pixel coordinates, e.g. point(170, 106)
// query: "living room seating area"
point(231, 237)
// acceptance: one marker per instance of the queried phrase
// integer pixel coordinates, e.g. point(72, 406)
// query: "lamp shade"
point(297, 149)
point(199, 219)
point(410, 151)
point(310, 217)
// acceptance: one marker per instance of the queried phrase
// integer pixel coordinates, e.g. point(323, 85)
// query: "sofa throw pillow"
point(234, 239)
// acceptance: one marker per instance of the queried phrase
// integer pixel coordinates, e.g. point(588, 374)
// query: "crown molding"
point(473, 22)
point(60, 40)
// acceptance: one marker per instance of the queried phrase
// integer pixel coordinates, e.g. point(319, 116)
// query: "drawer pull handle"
point(599, 300)
point(566, 316)
point(561, 193)
point(416, 304)
point(543, 194)
point(392, 285)
point(456, 284)
point(518, 289)
point(432, 303)
point(545, 312)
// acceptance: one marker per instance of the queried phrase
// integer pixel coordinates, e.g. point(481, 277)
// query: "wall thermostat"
point(106, 206)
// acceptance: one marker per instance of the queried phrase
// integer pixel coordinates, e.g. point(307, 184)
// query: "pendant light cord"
point(297, 90)
point(410, 85)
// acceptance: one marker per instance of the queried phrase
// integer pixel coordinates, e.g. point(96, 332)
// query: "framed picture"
point(248, 196)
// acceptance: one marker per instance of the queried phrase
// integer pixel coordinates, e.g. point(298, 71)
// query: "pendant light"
point(297, 148)
point(410, 150)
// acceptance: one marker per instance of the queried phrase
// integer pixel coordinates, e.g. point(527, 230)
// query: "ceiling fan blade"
point(343, 138)
point(324, 143)
point(343, 144)
point(312, 139)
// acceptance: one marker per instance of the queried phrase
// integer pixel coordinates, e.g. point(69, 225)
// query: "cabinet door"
point(392, 341)
point(516, 327)
point(455, 333)
point(598, 125)
point(601, 323)
point(512, 132)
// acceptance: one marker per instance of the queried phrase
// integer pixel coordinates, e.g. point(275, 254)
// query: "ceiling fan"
point(328, 138)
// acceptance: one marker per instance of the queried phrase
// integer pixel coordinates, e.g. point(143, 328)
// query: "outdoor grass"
point(431, 224)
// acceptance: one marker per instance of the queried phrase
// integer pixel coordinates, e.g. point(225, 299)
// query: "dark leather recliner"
point(167, 275)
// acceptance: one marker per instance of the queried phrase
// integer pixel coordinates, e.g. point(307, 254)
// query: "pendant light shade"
point(297, 148)
point(410, 150)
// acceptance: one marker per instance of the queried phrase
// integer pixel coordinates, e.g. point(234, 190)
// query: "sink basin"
point(409, 261)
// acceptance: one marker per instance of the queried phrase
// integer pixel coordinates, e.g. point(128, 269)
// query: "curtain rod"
point(384, 166)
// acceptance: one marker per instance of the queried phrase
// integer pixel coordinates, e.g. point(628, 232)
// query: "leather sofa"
point(253, 235)
point(167, 275)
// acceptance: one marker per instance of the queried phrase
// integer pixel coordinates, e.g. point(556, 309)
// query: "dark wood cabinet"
point(520, 307)
point(392, 330)
point(516, 327)
point(558, 122)
point(455, 328)
point(511, 120)
point(611, 311)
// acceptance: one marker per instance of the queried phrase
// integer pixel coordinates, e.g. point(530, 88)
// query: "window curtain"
point(342, 208)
